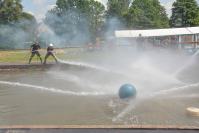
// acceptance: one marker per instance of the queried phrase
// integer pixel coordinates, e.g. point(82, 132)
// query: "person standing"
point(35, 50)
point(140, 43)
point(50, 52)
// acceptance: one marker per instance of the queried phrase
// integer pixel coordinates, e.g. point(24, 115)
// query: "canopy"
point(157, 32)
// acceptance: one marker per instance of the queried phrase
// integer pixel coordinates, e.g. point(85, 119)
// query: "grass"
point(22, 56)
point(13, 56)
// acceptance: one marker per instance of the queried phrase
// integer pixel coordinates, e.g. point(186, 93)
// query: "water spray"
point(83, 65)
point(187, 64)
point(134, 102)
point(54, 90)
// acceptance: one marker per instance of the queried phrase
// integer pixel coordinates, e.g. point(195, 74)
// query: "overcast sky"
point(39, 7)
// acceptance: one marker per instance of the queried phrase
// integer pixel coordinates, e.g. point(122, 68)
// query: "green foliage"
point(185, 13)
point(115, 16)
point(16, 26)
point(73, 20)
point(117, 8)
point(27, 16)
point(10, 11)
point(96, 18)
point(82, 21)
point(147, 14)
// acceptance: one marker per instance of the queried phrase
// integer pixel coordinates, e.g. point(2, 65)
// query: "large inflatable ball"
point(127, 91)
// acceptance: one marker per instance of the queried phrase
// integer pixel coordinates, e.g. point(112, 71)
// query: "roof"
point(157, 32)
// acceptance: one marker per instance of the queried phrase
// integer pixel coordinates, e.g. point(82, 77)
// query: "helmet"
point(51, 45)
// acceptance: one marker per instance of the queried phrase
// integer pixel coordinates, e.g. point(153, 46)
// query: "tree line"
point(16, 26)
point(82, 21)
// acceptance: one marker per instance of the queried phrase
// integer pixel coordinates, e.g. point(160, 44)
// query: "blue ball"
point(127, 91)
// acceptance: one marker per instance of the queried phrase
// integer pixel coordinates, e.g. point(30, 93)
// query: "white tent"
point(157, 32)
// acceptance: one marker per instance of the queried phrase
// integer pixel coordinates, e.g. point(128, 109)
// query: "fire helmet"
point(51, 45)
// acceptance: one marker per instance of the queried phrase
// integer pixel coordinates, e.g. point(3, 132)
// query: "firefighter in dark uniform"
point(35, 50)
point(50, 52)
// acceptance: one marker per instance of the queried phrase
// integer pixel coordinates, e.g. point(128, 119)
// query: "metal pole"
point(179, 42)
point(195, 40)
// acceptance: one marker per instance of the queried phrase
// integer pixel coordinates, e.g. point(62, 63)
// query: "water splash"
point(133, 104)
point(187, 64)
point(186, 96)
point(84, 83)
point(175, 89)
point(125, 111)
point(81, 64)
point(145, 68)
point(52, 89)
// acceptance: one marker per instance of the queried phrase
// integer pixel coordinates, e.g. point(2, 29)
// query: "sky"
point(38, 8)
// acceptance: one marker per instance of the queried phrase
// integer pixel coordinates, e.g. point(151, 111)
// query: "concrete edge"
point(165, 127)
point(13, 67)
point(24, 66)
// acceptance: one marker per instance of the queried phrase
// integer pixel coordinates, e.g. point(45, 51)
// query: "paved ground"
point(97, 131)
point(6, 67)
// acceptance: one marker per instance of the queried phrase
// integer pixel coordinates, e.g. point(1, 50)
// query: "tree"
point(115, 16)
point(185, 13)
point(16, 26)
point(27, 23)
point(76, 21)
point(96, 18)
point(27, 16)
point(117, 8)
point(10, 11)
point(147, 14)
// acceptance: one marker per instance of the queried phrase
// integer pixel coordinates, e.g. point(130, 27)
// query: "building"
point(172, 37)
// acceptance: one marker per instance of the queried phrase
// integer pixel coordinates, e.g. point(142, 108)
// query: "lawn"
point(22, 56)
point(74, 54)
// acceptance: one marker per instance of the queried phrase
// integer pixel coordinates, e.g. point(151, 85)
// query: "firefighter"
point(50, 52)
point(35, 50)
